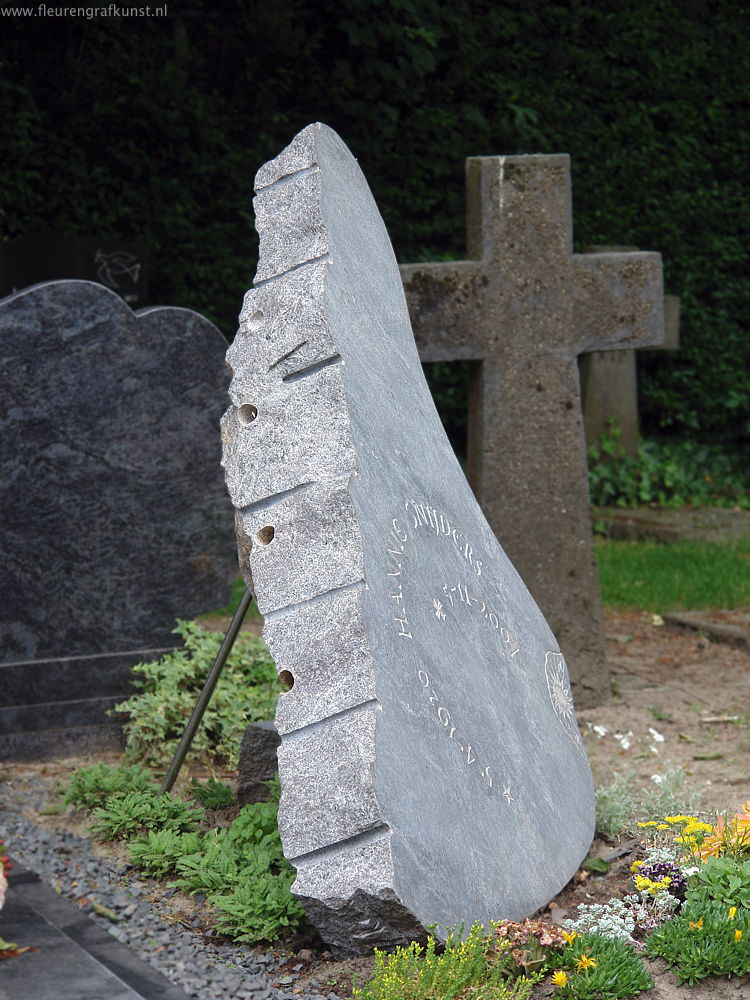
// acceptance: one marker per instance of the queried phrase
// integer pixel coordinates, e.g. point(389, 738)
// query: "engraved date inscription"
point(459, 595)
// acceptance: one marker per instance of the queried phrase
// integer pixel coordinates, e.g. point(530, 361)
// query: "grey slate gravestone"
point(114, 509)
point(524, 307)
point(432, 770)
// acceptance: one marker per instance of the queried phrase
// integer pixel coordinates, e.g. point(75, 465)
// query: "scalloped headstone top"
point(431, 765)
point(114, 506)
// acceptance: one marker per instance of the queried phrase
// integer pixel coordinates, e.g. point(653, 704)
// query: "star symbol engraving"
point(439, 613)
point(506, 794)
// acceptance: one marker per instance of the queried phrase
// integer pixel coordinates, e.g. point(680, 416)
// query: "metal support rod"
point(205, 696)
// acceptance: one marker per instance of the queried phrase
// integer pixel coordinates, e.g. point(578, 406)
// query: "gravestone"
point(121, 265)
point(609, 379)
point(524, 307)
point(114, 508)
point(431, 766)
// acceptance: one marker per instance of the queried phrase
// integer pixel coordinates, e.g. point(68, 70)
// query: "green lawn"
point(675, 576)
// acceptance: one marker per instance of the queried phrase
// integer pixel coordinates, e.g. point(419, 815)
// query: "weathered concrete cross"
point(524, 307)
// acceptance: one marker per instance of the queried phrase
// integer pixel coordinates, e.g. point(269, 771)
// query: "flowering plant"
point(528, 944)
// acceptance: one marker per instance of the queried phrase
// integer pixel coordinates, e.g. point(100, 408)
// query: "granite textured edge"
point(352, 915)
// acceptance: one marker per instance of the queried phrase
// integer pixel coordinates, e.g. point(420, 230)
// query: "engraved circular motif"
point(558, 686)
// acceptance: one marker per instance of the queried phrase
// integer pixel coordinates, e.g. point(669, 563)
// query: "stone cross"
point(431, 766)
point(609, 379)
point(114, 508)
point(524, 307)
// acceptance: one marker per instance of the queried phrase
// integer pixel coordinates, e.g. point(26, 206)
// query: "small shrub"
point(246, 692)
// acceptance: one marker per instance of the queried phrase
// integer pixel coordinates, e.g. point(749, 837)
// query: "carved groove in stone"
point(377, 833)
point(318, 599)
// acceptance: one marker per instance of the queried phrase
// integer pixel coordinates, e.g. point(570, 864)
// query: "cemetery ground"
point(673, 738)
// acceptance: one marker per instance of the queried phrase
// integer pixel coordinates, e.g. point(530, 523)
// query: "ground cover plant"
point(241, 868)
point(668, 473)
point(169, 687)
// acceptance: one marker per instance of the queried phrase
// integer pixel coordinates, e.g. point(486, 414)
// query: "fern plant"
point(122, 817)
point(92, 786)
point(159, 850)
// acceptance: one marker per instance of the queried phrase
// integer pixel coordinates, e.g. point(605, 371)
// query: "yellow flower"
point(636, 865)
point(569, 936)
point(559, 978)
point(584, 962)
point(651, 822)
point(696, 925)
point(738, 935)
point(732, 912)
point(662, 826)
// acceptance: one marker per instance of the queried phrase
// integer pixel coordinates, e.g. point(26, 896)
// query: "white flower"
point(624, 739)
point(657, 778)
point(653, 749)
point(656, 736)
point(600, 730)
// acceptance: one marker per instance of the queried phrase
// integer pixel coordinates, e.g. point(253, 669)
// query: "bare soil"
point(679, 699)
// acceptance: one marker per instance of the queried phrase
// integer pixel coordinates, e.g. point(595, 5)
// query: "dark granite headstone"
point(121, 265)
point(114, 510)
point(432, 769)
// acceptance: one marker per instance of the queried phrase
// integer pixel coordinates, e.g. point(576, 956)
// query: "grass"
point(653, 576)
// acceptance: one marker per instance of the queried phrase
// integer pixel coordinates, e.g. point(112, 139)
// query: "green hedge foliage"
point(154, 127)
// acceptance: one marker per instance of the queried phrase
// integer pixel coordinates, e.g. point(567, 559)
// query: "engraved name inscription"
point(429, 517)
point(395, 556)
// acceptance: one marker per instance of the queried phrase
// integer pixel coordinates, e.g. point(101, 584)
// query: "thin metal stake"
point(205, 696)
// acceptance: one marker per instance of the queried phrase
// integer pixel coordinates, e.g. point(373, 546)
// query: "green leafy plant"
point(462, 970)
point(597, 968)
point(706, 939)
point(124, 816)
point(212, 795)
point(259, 905)
point(246, 692)
point(667, 473)
point(92, 786)
point(158, 852)
point(724, 880)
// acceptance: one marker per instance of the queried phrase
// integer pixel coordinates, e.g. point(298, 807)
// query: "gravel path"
point(200, 967)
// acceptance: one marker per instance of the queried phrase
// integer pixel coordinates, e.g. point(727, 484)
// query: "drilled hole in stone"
point(247, 413)
point(287, 679)
point(256, 320)
point(264, 535)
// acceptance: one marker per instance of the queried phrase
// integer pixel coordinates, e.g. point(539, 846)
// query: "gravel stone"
point(204, 967)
